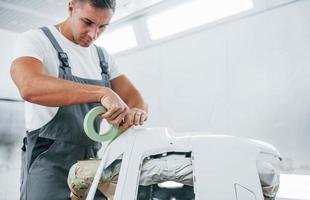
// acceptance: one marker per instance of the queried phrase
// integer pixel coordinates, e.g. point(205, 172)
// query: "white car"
point(202, 166)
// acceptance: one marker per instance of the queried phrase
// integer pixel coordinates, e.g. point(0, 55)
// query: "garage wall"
point(7, 88)
point(11, 123)
point(248, 77)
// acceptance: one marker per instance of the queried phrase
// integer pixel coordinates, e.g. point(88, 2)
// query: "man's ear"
point(70, 7)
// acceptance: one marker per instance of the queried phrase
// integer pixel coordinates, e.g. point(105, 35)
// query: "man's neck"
point(65, 30)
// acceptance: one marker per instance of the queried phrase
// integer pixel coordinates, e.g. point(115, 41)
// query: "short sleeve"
point(29, 44)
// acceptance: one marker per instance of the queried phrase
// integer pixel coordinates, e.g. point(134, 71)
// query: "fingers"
point(138, 117)
point(133, 117)
point(116, 108)
point(127, 117)
point(117, 111)
point(143, 118)
point(124, 125)
point(114, 111)
point(115, 116)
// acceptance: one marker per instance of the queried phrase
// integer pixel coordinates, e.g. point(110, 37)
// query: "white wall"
point(10, 112)
point(248, 77)
point(7, 88)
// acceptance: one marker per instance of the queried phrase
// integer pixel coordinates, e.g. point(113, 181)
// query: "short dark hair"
point(109, 4)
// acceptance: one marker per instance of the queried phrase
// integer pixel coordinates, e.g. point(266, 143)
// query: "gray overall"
point(50, 151)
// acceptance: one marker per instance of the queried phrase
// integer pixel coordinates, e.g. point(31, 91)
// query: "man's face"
point(88, 22)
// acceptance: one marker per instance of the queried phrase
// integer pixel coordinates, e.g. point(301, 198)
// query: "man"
point(61, 75)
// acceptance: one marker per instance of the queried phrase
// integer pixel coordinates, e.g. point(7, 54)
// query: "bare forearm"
point(130, 95)
point(37, 87)
point(135, 100)
point(50, 91)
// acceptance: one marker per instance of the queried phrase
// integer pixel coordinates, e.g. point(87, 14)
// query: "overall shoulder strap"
point(62, 56)
point(102, 61)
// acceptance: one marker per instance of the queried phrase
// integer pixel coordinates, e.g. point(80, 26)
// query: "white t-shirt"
point(84, 62)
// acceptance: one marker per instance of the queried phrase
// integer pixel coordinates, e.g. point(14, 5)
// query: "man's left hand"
point(135, 116)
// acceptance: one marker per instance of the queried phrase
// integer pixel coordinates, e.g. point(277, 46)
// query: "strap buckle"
point(104, 67)
point(64, 58)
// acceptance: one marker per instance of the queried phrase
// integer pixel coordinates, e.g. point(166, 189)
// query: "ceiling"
point(21, 15)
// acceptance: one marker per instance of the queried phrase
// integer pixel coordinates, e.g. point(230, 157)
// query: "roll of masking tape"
point(90, 129)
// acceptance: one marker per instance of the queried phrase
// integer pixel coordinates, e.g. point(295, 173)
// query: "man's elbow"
point(26, 93)
point(24, 89)
point(27, 90)
point(23, 84)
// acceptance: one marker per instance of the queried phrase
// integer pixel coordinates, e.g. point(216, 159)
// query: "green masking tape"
point(90, 130)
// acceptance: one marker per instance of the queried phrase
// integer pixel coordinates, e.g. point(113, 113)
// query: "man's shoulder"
point(30, 43)
point(35, 35)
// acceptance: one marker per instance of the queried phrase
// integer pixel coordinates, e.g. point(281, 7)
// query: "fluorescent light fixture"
point(120, 39)
point(192, 14)
point(170, 184)
point(130, 7)
point(294, 186)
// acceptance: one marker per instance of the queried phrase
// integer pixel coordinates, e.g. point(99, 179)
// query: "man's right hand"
point(116, 107)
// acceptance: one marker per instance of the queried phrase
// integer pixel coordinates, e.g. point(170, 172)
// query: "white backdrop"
point(7, 89)
point(248, 78)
